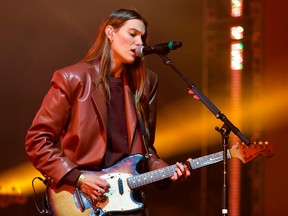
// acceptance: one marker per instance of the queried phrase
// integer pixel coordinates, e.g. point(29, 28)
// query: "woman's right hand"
point(94, 187)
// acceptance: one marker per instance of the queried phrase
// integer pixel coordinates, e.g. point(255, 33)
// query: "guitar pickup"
point(120, 186)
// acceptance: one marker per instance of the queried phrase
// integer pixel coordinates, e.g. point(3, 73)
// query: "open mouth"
point(133, 52)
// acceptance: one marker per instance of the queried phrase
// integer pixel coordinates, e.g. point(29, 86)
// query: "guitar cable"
point(45, 211)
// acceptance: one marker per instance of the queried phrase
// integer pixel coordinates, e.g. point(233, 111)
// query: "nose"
point(139, 41)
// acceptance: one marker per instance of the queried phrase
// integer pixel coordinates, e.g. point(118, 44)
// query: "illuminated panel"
point(236, 35)
point(18, 181)
point(236, 32)
point(237, 56)
point(236, 8)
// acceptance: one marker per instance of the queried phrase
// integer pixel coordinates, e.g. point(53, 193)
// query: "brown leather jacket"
point(73, 113)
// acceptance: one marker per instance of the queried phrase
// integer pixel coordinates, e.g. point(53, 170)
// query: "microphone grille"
point(139, 51)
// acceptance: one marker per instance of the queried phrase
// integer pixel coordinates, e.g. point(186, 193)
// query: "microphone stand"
point(225, 130)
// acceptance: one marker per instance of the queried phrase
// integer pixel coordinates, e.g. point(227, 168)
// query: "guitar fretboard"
point(166, 172)
point(150, 177)
point(208, 160)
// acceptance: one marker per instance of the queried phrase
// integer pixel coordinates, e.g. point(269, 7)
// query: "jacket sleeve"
point(45, 131)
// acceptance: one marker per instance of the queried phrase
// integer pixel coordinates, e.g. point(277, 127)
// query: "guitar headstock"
point(247, 153)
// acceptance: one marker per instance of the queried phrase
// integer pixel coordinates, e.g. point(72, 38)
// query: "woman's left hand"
point(181, 172)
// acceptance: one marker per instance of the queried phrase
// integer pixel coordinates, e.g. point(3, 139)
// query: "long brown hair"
point(135, 73)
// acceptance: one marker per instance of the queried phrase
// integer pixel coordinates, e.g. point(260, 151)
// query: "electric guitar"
point(124, 178)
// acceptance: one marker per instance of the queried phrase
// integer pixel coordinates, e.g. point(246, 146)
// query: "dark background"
point(39, 36)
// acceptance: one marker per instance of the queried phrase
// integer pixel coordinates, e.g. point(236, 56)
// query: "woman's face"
point(125, 40)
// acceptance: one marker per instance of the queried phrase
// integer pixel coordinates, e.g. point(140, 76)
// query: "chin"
point(130, 61)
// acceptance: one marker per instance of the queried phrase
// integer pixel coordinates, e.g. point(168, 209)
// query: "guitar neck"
point(141, 180)
point(207, 160)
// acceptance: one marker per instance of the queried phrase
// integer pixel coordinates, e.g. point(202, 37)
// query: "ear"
point(109, 30)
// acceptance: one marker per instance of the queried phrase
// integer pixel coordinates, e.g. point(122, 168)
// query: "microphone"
point(160, 49)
